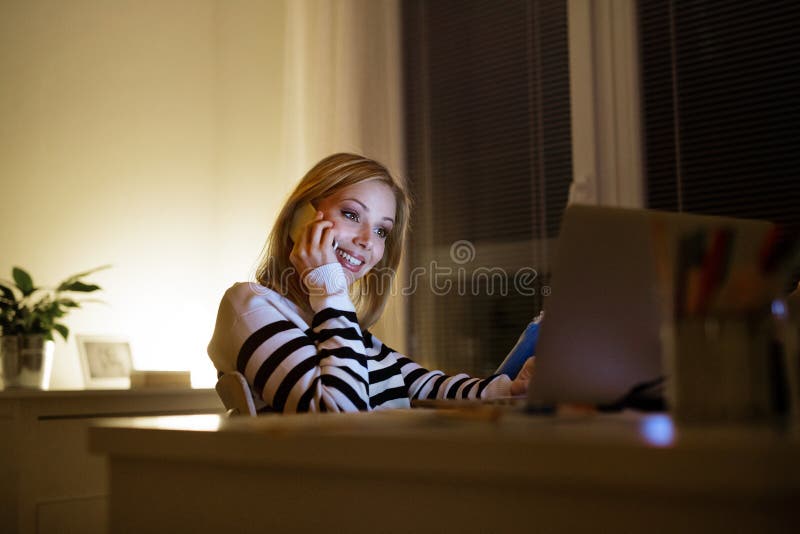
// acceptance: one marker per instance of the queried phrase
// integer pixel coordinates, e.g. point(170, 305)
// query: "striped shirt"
point(300, 363)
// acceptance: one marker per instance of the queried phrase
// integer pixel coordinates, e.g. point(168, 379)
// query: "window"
point(489, 166)
point(721, 107)
point(489, 146)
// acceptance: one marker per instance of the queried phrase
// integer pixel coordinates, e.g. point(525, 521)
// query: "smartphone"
point(302, 216)
point(524, 349)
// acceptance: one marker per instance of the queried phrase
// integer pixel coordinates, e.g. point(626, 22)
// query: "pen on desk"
point(681, 273)
point(766, 253)
point(664, 272)
point(754, 285)
point(779, 245)
point(782, 253)
point(693, 288)
point(715, 266)
point(742, 290)
point(690, 258)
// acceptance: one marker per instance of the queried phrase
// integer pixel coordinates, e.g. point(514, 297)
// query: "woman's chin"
point(352, 277)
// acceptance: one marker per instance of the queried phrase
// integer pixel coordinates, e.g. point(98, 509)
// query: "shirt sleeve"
point(421, 383)
point(321, 369)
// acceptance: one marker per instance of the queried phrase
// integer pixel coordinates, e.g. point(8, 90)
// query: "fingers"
point(327, 240)
point(527, 369)
point(519, 386)
point(315, 230)
point(323, 239)
point(314, 246)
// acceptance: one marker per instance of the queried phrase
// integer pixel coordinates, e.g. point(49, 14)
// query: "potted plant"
point(29, 316)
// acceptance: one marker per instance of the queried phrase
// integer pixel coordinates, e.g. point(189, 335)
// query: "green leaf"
point(90, 271)
point(23, 281)
point(61, 329)
point(8, 301)
point(75, 277)
point(43, 323)
point(95, 301)
point(8, 293)
point(69, 303)
point(80, 286)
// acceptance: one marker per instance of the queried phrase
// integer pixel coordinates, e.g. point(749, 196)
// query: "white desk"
point(423, 471)
point(48, 480)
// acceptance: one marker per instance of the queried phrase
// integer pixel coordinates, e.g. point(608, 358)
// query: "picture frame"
point(106, 361)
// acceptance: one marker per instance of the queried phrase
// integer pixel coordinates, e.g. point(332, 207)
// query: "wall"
point(146, 135)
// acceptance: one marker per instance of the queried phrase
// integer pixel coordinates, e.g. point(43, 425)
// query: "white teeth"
point(350, 259)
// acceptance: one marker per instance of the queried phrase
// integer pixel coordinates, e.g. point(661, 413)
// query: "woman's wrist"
point(328, 279)
point(499, 387)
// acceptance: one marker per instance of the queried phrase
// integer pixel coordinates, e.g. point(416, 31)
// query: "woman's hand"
point(519, 386)
point(314, 246)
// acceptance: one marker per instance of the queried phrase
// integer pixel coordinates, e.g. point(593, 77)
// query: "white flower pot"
point(27, 361)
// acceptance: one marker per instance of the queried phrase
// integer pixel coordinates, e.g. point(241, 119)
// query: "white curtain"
point(343, 80)
point(343, 92)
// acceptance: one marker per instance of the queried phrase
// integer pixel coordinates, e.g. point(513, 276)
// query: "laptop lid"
point(600, 336)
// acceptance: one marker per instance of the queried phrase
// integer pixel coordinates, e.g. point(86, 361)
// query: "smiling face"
point(362, 214)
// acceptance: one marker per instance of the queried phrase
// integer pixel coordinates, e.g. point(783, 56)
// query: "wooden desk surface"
point(443, 460)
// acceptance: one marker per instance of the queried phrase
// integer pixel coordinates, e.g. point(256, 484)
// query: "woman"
point(299, 336)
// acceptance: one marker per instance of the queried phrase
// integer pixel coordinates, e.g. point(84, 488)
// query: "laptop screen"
point(601, 333)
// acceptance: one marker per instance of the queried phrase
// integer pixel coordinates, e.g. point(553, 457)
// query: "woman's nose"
point(364, 238)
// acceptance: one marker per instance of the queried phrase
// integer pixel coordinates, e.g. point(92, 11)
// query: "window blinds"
point(721, 107)
point(489, 165)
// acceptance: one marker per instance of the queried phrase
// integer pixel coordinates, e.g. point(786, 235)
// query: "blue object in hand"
point(524, 349)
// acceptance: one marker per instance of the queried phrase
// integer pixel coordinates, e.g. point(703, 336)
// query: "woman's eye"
point(383, 233)
point(353, 216)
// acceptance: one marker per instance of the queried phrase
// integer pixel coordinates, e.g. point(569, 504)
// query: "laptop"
point(600, 336)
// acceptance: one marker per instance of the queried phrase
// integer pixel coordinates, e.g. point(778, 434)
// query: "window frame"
point(607, 149)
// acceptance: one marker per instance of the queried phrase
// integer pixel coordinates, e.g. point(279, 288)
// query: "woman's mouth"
point(349, 261)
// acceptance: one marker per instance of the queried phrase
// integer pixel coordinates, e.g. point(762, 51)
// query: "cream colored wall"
point(145, 134)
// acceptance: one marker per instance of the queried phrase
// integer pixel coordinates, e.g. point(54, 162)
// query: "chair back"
point(235, 394)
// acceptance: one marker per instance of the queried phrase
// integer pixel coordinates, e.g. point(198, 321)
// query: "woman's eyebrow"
point(367, 209)
point(359, 202)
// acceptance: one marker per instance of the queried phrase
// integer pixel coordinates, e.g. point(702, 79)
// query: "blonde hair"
point(371, 292)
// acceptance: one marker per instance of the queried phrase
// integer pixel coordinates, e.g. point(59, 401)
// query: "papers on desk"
point(161, 379)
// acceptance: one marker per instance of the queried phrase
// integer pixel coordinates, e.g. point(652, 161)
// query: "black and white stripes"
point(331, 365)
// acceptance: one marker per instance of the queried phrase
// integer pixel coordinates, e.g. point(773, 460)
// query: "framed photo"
point(106, 361)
